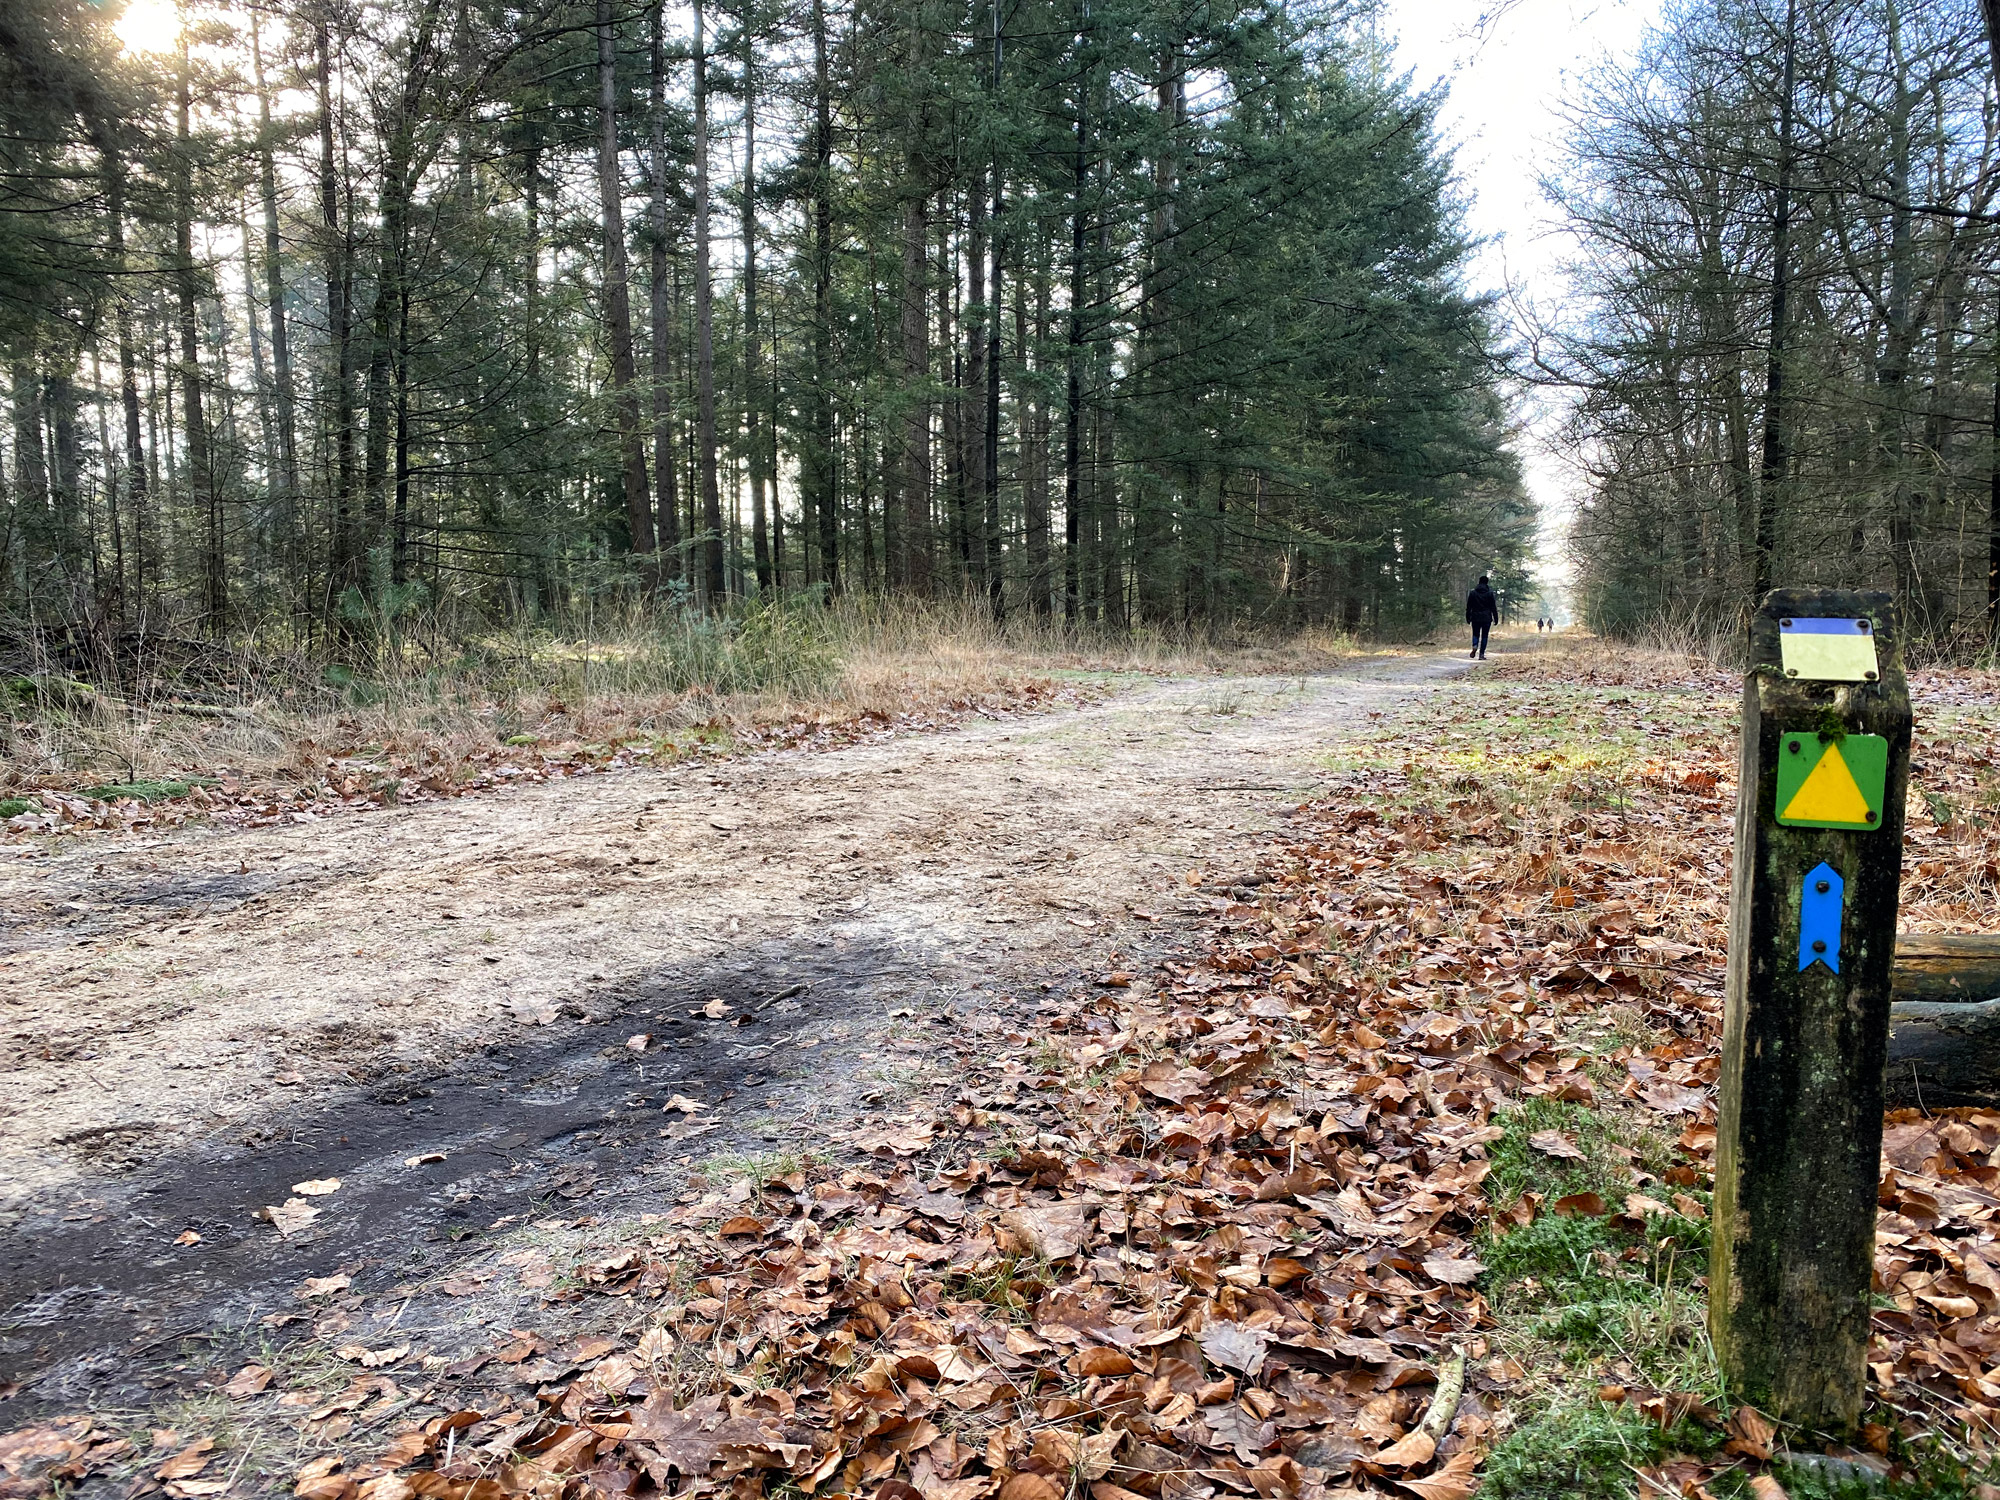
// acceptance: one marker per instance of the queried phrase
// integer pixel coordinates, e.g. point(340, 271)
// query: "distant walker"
point(1482, 609)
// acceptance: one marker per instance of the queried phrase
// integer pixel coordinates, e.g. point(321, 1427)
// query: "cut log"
point(1944, 1024)
point(1949, 966)
point(1943, 1053)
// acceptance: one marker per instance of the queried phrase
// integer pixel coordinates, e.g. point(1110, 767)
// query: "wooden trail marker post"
point(1812, 935)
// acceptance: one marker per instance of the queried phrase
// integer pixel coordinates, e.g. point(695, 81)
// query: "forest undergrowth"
point(1395, 1182)
point(256, 732)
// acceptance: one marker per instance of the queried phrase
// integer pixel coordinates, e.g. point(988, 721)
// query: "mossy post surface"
point(1799, 1136)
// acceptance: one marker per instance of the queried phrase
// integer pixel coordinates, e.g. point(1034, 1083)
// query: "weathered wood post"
point(1812, 935)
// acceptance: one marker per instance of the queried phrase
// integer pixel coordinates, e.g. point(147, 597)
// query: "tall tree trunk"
point(399, 556)
point(274, 479)
point(201, 478)
point(1073, 356)
point(665, 470)
point(617, 293)
point(753, 424)
point(1032, 423)
point(864, 501)
point(1898, 346)
point(1154, 564)
point(716, 577)
point(402, 171)
point(953, 412)
point(913, 564)
point(822, 472)
point(1104, 446)
point(71, 527)
point(128, 387)
point(996, 578)
point(769, 415)
point(866, 471)
point(1993, 475)
point(533, 572)
point(109, 607)
point(346, 559)
point(167, 368)
point(531, 287)
point(274, 301)
point(972, 475)
point(1940, 440)
point(31, 474)
point(1776, 461)
point(394, 205)
point(1990, 9)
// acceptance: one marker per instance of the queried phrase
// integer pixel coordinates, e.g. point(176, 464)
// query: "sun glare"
point(149, 25)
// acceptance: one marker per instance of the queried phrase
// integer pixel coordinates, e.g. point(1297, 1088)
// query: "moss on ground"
point(1596, 1300)
point(1583, 1450)
point(144, 791)
point(1610, 1146)
point(1933, 1476)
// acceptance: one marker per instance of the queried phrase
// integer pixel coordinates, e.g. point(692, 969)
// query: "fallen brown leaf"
point(249, 1380)
point(1557, 1143)
point(1054, 1231)
point(1454, 1479)
point(1453, 1272)
point(1410, 1452)
point(187, 1463)
point(289, 1217)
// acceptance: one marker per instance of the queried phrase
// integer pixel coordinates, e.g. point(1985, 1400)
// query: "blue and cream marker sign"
point(1828, 648)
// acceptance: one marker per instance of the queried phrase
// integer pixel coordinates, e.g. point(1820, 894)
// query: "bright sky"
point(1504, 86)
point(149, 25)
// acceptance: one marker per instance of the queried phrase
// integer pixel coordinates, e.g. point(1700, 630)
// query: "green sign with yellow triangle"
point(1825, 782)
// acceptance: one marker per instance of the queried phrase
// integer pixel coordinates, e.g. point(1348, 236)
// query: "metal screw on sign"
point(1812, 935)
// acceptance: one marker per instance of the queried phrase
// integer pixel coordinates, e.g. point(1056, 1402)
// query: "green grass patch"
point(29, 694)
point(1551, 1257)
point(1014, 1285)
point(1599, 1293)
point(13, 807)
point(1580, 1291)
point(144, 791)
point(760, 1168)
point(1584, 1450)
point(1609, 1145)
point(1932, 1475)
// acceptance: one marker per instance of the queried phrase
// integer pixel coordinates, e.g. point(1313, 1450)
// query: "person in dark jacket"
point(1482, 609)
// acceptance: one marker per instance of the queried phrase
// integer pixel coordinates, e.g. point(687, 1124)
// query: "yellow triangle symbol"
point(1828, 794)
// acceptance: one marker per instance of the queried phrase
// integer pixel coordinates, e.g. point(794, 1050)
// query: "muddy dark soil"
point(99, 1304)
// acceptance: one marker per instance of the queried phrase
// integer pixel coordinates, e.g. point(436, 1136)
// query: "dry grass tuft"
point(1665, 660)
point(442, 698)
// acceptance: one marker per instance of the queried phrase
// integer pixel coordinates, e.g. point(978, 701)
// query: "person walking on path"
point(1482, 608)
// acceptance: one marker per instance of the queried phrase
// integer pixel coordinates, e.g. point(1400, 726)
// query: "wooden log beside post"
point(1944, 1024)
point(1812, 941)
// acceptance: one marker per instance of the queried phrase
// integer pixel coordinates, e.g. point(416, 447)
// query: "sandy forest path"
point(190, 1025)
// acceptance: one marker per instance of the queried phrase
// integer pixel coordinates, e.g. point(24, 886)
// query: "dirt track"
point(191, 1024)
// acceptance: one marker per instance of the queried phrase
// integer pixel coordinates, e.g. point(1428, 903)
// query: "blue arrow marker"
point(1819, 918)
